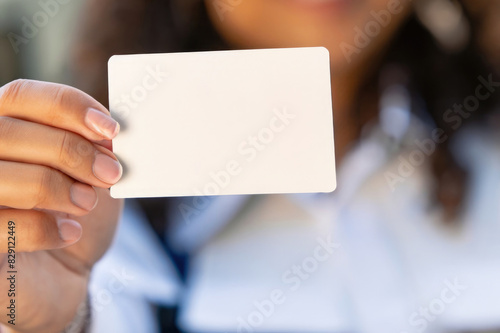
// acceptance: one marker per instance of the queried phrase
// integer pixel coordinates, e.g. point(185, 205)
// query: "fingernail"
point(107, 169)
point(84, 196)
point(102, 123)
point(70, 231)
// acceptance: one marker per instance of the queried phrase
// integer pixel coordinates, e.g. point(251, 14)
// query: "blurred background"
point(44, 54)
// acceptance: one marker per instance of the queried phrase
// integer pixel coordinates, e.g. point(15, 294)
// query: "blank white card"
point(225, 122)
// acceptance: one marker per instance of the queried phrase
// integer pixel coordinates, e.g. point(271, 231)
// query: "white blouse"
point(370, 257)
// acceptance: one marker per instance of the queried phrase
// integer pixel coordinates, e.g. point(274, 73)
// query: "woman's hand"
point(55, 170)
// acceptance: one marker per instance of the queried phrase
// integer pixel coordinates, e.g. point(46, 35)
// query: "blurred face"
point(352, 30)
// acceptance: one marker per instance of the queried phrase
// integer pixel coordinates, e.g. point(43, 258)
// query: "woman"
point(58, 163)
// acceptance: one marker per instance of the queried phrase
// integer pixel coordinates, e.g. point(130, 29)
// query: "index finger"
point(59, 106)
